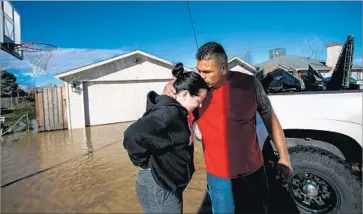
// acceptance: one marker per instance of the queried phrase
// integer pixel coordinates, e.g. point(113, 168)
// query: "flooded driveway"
point(78, 171)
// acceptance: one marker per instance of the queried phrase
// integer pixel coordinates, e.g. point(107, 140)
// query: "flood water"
point(78, 171)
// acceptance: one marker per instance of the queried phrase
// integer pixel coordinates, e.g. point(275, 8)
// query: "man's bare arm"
point(276, 133)
point(272, 124)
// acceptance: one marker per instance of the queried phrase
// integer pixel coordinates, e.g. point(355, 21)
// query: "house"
point(301, 64)
point(333, 52)
point(113, 90)
point(296, 62)
point(237, 64)
point(357, 74)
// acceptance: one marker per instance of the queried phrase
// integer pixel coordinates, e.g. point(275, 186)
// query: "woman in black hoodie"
point(161, 144)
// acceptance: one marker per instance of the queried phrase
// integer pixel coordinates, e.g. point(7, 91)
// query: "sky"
point(87, 32)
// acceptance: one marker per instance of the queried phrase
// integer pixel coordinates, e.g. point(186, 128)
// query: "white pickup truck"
point(324, 136)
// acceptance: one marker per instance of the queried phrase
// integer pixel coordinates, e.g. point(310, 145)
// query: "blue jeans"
point(245, 194)
point(221, 194)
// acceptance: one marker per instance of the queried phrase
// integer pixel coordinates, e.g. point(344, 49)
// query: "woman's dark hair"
point(190, 81)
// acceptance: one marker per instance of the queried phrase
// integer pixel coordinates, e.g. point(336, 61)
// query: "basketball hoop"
point(38, 55)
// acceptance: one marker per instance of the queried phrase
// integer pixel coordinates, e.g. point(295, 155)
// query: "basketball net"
point(38, 55)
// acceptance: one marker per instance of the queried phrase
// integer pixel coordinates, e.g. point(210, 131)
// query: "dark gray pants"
point(155, 199)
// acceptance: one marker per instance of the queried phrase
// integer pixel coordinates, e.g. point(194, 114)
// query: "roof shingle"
point(296, 62)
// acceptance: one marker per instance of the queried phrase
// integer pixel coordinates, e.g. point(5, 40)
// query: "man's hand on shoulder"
point(169, 89)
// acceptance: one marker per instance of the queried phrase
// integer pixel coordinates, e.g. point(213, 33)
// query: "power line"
point(191, 21)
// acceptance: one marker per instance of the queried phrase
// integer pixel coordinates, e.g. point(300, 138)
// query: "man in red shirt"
point(236, 177)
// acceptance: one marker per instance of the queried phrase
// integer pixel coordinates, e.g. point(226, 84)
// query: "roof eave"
point(103, 62)
point(251, 67)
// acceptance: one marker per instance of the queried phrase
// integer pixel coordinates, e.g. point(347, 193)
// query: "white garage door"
point(116, 102)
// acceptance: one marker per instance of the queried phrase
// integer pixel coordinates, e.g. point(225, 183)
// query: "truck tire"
point(323, 183)
point(291, 142)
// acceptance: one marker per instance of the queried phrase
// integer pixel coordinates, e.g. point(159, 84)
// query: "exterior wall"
point(75, 107)
point(129, 64)
point(332, 55)
point(143, 71)
point(114, 102)
point(133, 73)
point(358, 75)
point(241, 69)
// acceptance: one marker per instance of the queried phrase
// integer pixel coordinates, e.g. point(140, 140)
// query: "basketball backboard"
point(10, 34)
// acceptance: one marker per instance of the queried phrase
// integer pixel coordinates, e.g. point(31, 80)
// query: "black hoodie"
point(160, 140)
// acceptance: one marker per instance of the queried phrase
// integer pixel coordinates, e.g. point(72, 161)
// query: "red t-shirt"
point(227, 121)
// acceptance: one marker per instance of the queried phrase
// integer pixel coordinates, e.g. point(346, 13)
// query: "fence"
point(51, 108)
point(13, 102)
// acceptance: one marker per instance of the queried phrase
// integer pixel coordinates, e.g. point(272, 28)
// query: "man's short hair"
point(209, 49)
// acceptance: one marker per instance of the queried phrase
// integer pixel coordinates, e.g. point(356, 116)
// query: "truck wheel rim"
point(313, 193)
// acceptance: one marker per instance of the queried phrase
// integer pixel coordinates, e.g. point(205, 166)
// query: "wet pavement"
point(78, 171)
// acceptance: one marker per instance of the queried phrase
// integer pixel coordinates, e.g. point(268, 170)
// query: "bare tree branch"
point(247, 56)
point(313, 47)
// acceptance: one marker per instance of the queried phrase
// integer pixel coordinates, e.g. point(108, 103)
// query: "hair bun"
point(178, 70)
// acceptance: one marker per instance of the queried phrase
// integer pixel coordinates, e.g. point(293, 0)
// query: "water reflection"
point(88, 141)
point(84, 170)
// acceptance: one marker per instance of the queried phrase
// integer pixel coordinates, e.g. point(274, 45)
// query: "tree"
point(313, 47)
point(9, 87)
point(247, 56)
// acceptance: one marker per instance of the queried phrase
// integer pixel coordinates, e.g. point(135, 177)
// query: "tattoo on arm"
point(264, 105)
